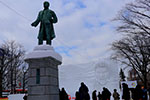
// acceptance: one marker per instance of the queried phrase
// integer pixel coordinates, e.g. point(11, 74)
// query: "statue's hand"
point(33, 24)
point(51, 20)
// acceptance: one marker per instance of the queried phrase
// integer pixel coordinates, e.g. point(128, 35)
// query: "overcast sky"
point(84, 30)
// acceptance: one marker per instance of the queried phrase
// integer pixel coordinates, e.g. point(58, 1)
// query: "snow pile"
point(42, 51)
point(16, 97)
point(96, 75)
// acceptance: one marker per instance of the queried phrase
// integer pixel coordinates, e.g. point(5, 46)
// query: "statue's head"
point(46, 4)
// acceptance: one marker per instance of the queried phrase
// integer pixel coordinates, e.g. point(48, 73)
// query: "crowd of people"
point(105, 95)
point(137, 93)
point(83, 94)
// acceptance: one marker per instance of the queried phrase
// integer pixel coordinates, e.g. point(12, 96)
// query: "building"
point(132, 76)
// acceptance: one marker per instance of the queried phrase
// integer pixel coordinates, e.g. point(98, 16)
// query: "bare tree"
point(12, 59)
point(134, 51)
point(135, 18)
point(1, 69)
point(24, 76)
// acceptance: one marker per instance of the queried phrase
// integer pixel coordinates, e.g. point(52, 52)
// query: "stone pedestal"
point(43, 73)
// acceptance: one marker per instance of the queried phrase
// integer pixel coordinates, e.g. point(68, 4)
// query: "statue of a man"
point(46, 18)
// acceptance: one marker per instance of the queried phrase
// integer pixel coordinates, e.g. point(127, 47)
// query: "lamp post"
point(1, 69)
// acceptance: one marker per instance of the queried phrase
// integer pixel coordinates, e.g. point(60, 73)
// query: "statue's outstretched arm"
point(36, 22)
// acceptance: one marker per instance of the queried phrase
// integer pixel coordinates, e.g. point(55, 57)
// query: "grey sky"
point(83, 33)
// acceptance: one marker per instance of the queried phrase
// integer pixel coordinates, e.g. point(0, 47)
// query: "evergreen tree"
point(122, 76)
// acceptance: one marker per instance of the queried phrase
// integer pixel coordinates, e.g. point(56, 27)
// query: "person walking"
point(83, 90)
point(104, 94)
point(138, 93)
point(126, 93)
point(77, 95)
point(94, 97)
point(99, 96)
point(149, 93)
point(108, 94)
point(25, 97)
point(63, 95)
point(116, 95)
point(144, 93)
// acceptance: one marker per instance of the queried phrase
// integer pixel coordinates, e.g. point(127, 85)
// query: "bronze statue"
point(46, 18)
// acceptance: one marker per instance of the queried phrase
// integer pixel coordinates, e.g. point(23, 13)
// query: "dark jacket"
point(83, 90)
point(99, 96)
point(63, 95)
point(126, 93)
point(94, 97)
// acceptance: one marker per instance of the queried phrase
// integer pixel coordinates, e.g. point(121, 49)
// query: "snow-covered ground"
point(96, 75)
point(16, 97)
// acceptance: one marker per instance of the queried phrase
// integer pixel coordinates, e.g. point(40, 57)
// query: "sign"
point(131, 84)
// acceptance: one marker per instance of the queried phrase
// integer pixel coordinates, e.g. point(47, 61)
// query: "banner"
point(131, 84)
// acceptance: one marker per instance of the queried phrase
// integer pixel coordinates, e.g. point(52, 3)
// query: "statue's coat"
point(46, 18)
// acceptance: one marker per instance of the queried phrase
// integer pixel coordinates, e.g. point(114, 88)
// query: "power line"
point(12, 9)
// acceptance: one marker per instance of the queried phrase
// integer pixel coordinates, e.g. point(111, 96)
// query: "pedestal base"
point(43, 73)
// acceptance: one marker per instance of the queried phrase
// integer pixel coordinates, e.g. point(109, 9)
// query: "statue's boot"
point(48, 41)
point(40, 42)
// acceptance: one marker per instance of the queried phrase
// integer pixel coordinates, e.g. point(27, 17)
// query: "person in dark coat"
point(60, 96)
point(104, 94)
point(63, 95)
point(99, 96)
point(94, 97)
point(83, 90)
point(126, 93)
point(132, 90)
point(87, 96)
point(138, 93)
point(144, 93)
point(108, 94)
point(77, 95)
point(149, 92)
point(25, 97)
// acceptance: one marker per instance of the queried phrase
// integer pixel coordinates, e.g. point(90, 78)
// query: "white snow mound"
point(42, 51)
point(96, 75)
